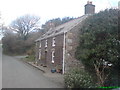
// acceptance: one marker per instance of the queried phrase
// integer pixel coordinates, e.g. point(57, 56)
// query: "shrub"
point(30, 58)
point(77, 78)
point(99, 44)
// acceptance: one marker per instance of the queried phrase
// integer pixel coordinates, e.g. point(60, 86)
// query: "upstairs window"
point(53, 41)
point(53, 56)
point(46, 43)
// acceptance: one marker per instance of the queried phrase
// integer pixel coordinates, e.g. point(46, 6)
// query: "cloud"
point(48, 9)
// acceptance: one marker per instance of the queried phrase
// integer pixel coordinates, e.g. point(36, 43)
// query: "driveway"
point(16, 74)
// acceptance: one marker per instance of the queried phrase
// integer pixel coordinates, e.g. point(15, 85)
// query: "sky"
point(49, 9)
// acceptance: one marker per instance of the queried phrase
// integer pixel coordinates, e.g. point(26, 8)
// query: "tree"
point(0, 25)
point(24, 25)
point(9, 41)
point(99, 44)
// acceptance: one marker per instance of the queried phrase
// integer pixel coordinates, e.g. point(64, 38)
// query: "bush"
point(77, 78)
point(99, 44)
point(30, 58)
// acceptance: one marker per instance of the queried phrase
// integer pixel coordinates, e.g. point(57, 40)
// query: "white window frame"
point(53, 41)
point(46, 42)
point(39, 53)
point(53, 56)
point(36, 44)
point(40, 45)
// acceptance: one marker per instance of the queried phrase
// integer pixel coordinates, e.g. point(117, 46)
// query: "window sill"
point(53, 45)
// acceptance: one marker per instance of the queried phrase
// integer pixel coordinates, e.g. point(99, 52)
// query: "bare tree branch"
point(23, 25)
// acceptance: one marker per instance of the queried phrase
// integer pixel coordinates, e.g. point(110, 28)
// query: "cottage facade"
point(56, 48)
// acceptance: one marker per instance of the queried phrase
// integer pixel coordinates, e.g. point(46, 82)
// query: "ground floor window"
point(53, 56)
point(39, 53)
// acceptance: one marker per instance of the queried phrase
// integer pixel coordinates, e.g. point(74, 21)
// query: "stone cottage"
point(56, 48)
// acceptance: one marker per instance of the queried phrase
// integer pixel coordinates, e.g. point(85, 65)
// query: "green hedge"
point(30, 58)
point(77, 78)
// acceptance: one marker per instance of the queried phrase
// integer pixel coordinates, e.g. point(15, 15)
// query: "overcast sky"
point(48, 9)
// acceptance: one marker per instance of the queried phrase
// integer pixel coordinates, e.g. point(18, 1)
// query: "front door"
point(45, 58)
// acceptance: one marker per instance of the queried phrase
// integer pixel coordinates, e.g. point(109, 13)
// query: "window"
point(36, 44)
point(40, 45)
point(46, 43)
point(53, 56)
point(53, 41)
point(39, 53)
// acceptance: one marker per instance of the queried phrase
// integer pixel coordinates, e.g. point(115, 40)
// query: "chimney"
point(51, 25)
point(89, 8)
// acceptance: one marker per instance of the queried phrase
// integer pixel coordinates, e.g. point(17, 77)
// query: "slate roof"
point(62, 28)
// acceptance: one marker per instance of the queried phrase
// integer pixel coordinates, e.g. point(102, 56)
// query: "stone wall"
point(72, 41)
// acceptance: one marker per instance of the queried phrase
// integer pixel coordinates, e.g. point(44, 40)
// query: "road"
point(16, 74)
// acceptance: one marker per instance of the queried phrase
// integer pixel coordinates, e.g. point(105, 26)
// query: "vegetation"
point(20, 35)
point(30, 58)
point(1, 25)
point(24, 25)
point(12, 44)
point(99, 47)
point(78, 78)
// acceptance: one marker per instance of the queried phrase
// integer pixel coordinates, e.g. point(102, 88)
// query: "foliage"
point(31, 51)
point(77, 78)
point(8, 41)
point(1, 26)
point(12, 44)
point(24, 25)
point(99, 41)
point(30, 58)
point(19, 38)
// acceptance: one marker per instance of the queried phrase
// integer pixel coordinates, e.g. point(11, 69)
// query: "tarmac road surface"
point(16, 74)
